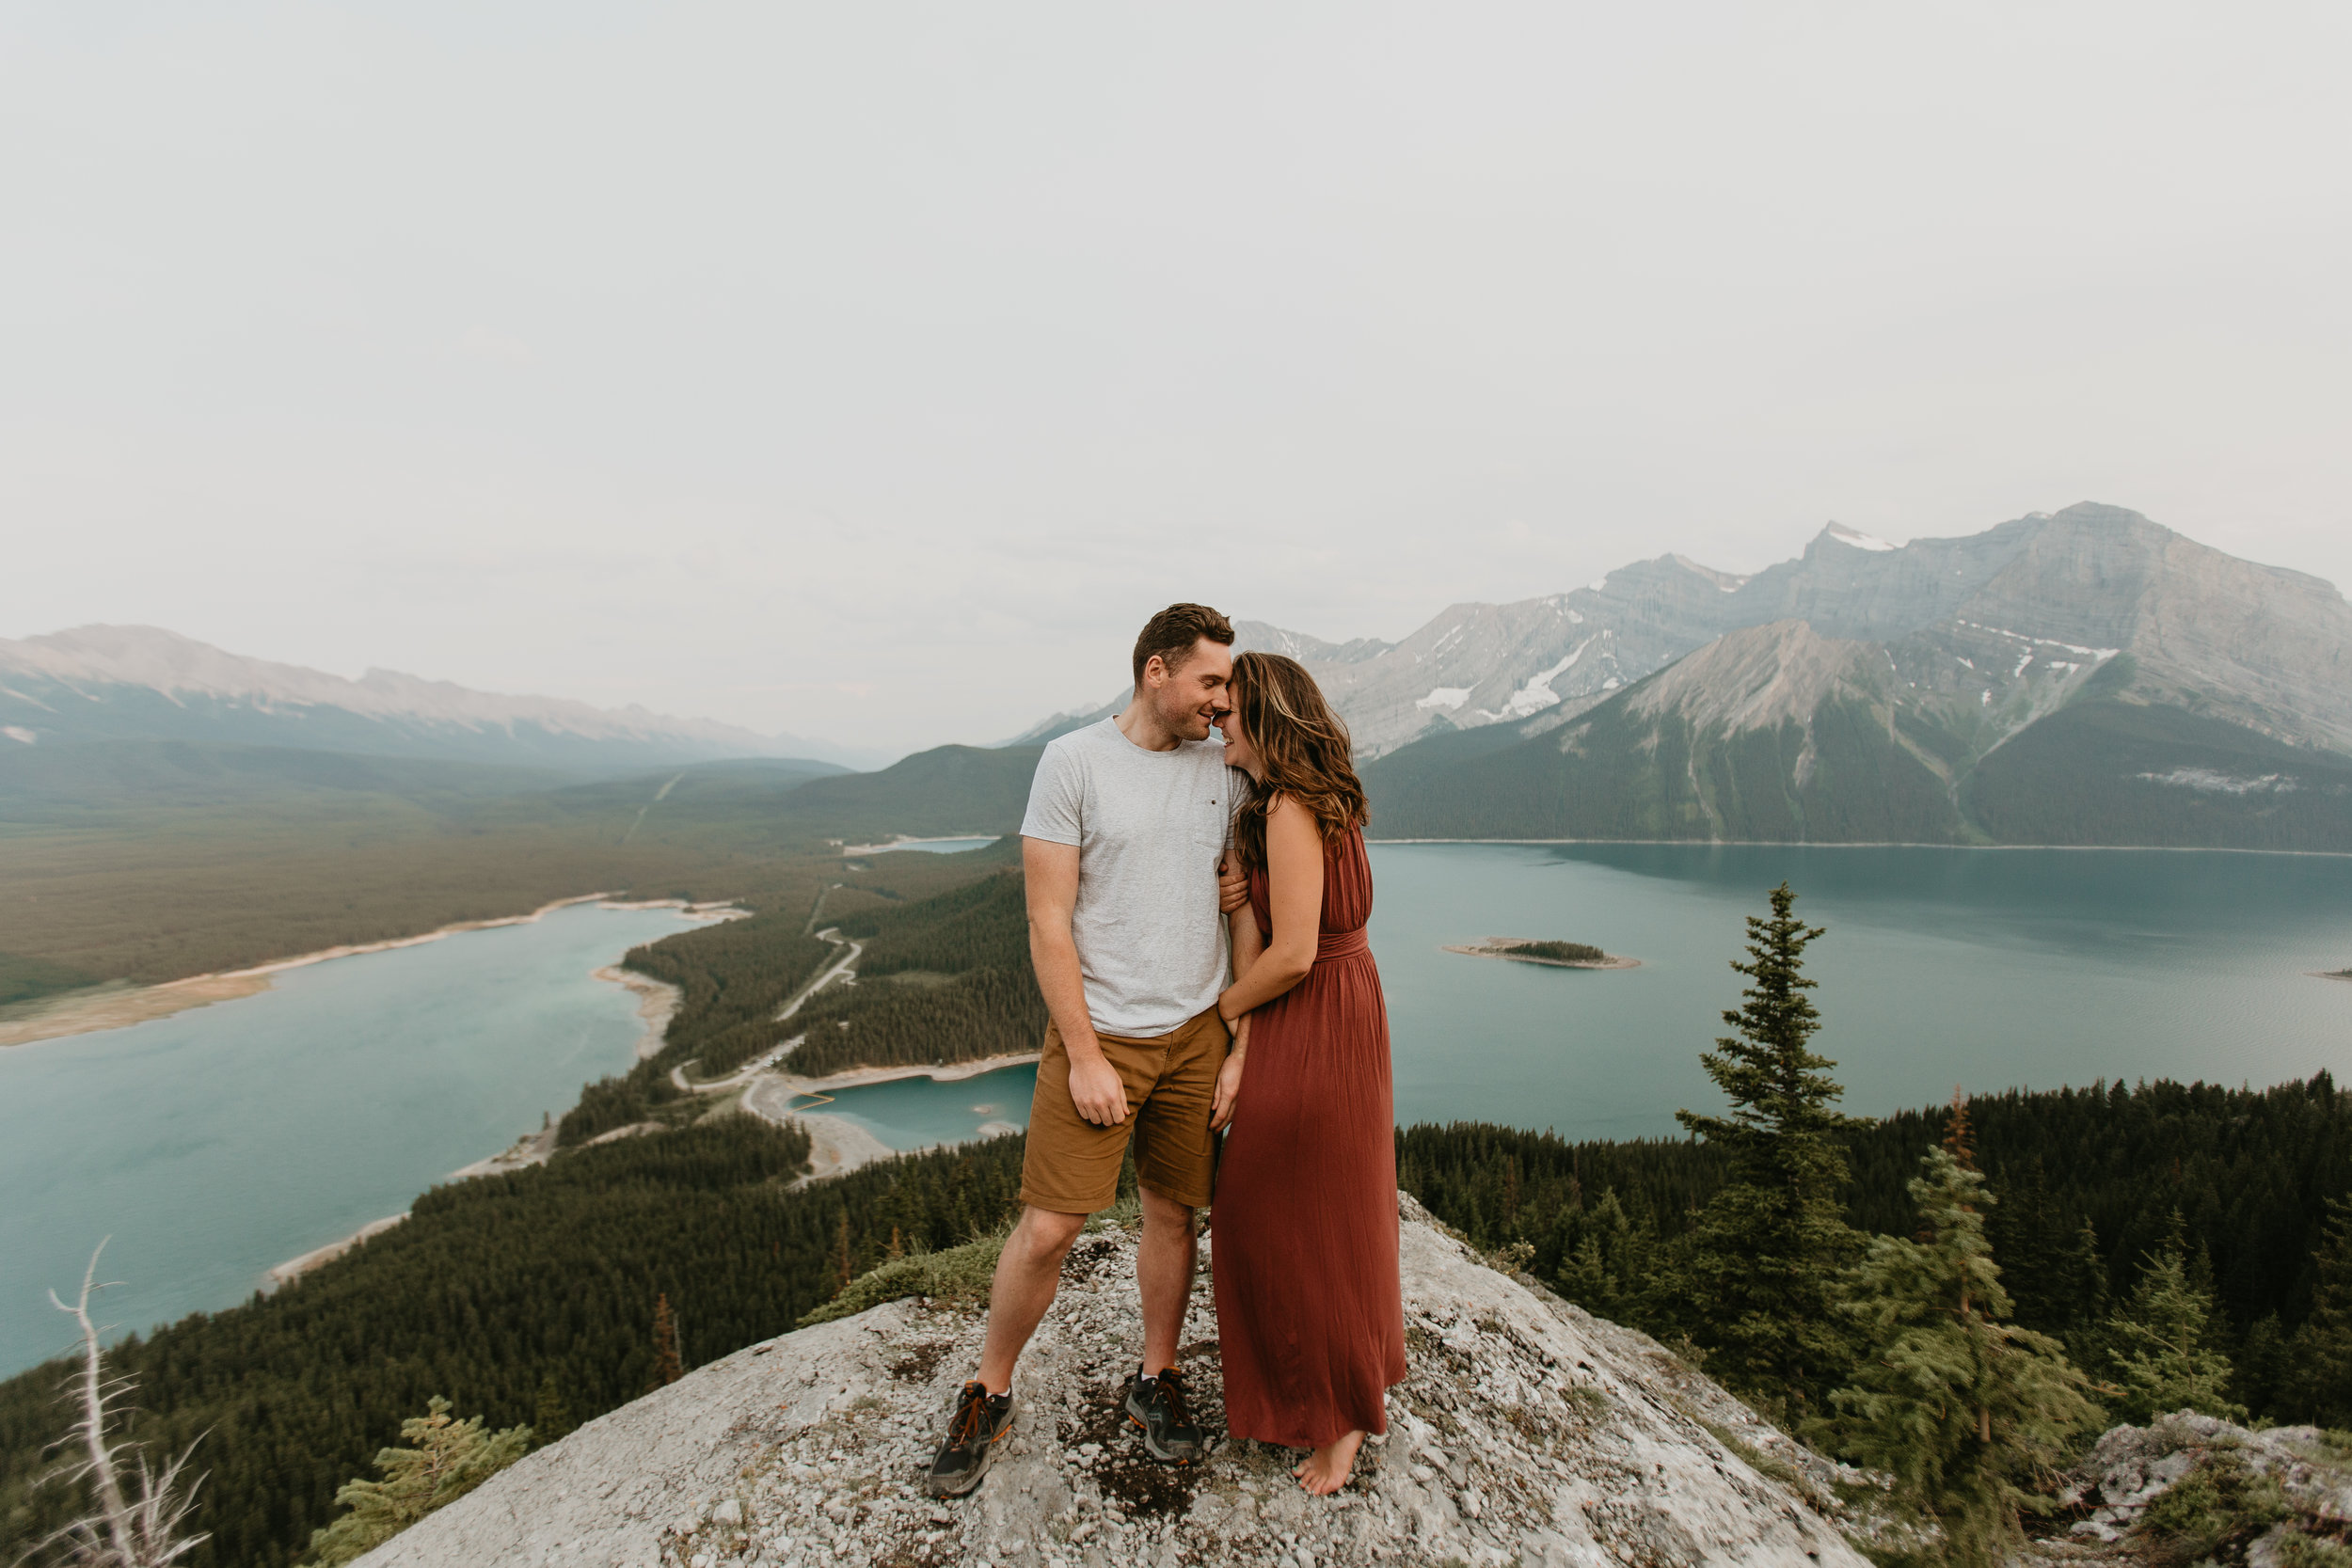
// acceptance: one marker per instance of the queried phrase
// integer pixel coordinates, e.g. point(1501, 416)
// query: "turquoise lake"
point(216, 1142)
point(1982, 968)
point(222, 1141)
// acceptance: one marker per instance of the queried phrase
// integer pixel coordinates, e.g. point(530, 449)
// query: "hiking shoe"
point(1157, 1405)
point(980, 1424)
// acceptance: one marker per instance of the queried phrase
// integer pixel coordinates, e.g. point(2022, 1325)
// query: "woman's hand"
point(1228, 1078)
point(1232, 886)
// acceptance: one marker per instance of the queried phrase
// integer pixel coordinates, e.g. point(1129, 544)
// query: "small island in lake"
point(1560, 954)
point(2332, 974)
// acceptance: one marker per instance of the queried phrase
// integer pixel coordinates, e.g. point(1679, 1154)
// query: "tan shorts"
point(1071, 1165)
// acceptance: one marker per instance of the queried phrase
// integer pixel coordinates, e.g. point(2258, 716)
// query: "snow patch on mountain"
point(1858, 539)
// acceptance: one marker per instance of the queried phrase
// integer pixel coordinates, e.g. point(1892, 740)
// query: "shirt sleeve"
point(1057, 811)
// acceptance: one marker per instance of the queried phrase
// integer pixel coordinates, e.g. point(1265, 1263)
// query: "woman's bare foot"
point(1325, 1471)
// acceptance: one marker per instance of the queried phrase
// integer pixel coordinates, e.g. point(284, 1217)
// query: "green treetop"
point(1962, 1408)
point(446, 1460)
point(2163, 1343)
point(1759, 1271)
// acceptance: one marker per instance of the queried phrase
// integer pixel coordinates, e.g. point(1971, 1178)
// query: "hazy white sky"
point(870, 370)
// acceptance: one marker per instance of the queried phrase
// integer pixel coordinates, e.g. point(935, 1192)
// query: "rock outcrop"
point(2188, 1487)
point(1528, 1432)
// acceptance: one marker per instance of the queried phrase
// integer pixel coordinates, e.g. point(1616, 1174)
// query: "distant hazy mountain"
point(1063, 723)
point(143, 683)
point(1311, 651)
point(2087, 677)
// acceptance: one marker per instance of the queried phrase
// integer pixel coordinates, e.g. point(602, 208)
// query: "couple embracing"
point(1166, 1035)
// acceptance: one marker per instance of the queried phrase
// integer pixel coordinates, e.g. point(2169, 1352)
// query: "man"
point(1120, 847)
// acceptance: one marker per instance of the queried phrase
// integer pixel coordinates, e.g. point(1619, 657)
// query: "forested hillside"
point(494, 1286)
point(734, 977)
point(143, 861)
point(2087, 1183)
point(491, 1288)
point(944, 980)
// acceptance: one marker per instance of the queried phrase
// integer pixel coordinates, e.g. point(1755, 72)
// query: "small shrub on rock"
point(2222, 1500)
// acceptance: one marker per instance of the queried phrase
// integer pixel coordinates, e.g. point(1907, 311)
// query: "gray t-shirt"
point(1149, 826)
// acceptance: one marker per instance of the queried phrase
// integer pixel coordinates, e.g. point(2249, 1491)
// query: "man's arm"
point(1050, 872)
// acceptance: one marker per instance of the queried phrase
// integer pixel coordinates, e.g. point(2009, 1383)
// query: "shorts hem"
point(1185, 1202)
point(1053, 1205)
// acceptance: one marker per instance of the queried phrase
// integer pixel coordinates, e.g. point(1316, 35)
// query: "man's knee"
point(1159, 1209)
point(1048, 1235)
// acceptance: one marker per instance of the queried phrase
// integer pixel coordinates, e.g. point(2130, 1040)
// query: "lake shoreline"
point(119, 1006)
point(839, 1146)
point(836, 1146)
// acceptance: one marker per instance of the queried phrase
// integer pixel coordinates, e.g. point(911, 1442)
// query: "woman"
point(1310, 1318)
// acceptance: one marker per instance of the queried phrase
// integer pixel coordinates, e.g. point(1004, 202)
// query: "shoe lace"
point(969, 1410)
point(1171, 1384)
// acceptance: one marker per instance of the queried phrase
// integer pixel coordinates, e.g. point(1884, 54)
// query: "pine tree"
point(667, 1369)
point(1965, 1410)
point(1960, 1137)
point(552, 1421)
point(2323, 1346)
point(446, 1460)
point(2162, 1351)
point(1605, 1255)
point(1760, 1273)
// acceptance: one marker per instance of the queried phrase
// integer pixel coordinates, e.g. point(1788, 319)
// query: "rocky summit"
point(1527, 1432)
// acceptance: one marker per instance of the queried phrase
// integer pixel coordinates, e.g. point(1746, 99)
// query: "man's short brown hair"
point(1172, 633)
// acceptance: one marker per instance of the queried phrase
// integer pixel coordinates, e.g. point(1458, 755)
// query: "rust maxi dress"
point(1310, 1319)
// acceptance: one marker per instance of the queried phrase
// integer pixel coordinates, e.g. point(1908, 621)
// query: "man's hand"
point(1228, 1079)
point(1095, 1089)
point(1232, 886)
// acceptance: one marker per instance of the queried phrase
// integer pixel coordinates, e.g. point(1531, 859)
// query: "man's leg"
point(1028, 1272)
point(1164, 1264)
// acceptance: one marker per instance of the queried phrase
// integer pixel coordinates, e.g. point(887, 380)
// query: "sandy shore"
point(294, 1268)
point(859, 1076)
point(837, 1144)
point(1492, 951)
point(118, 1006)
point(912, 843)
point(657, 1004)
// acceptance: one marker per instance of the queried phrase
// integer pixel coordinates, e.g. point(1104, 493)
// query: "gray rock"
point(1527, 1429)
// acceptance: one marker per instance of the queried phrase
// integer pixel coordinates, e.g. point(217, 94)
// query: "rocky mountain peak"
point(1756, 678)
point(1527, 1432)
point(1849, 538)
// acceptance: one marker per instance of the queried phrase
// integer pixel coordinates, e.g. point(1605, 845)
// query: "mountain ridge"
point(2186, 612)
point(139, 682)
point(2082, 677)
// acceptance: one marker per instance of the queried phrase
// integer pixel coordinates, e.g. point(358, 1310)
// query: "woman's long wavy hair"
point(1303, 745)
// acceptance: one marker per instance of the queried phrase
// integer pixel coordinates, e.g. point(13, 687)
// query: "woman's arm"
point(1249, 947)
point(1293, 852)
